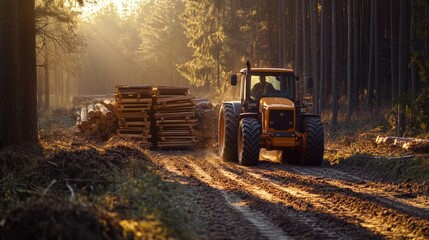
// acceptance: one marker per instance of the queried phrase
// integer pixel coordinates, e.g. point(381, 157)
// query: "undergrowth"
point(69, 187)
point(352, 143)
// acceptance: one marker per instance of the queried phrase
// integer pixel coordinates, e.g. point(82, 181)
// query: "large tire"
point(248, 142)
point(227, 133)
point(313, 144)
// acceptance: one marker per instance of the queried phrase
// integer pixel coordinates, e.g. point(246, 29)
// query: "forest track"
point(282, 201)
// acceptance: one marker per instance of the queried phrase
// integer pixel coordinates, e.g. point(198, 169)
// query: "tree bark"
point(394, 49)
point(376, 29)
point(402, 68)
point(314, 55)
point(18, 82)
point(298, 49)
point(413, 39)
point(356, 50)
point(47, 85)
point(281, 33)
point(371, 59)
point(323, 53)
point(335, 92)
point(349, 60)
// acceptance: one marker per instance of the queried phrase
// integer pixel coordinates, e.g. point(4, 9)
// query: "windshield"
point(272, 85)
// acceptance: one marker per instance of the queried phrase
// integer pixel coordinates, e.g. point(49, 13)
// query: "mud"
point(281, 201)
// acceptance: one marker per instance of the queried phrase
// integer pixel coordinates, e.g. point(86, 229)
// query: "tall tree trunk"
point(47, 85)
point(426, 31)
point(349, 60)
point(9, 132)
point(314, 55)
point(27, 54)
point(377, 79)
point(394, 48)
point(298, 46)
point(18, 82)
point(402, 68)
point(281, 31)
point(371, 58)
point(335, 92)
point(356, 50)
point(323, 53)
point(413, 39)
point(306, 44)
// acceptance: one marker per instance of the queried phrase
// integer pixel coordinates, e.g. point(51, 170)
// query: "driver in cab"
point(261, 88)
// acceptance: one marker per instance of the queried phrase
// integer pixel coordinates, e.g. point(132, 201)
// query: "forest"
point(363, 55)
point(367, 60)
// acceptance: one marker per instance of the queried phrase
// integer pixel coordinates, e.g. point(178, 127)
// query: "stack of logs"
point(174, 112)
point(412, 144)
point(97, 119)
point(133, 111)
point(163, 117)
point(206, 127)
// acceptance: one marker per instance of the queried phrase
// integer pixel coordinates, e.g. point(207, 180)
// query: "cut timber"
point(417, 145)
point(162, 100)
point(412, 144)
point(174, 115)
point(176, 110)
point(109, 105)
point(133, 99)
point(91, 110)
point(390, 140)
point(106, 112)
point(166, 90)
point(84, 119)
point(175, 105)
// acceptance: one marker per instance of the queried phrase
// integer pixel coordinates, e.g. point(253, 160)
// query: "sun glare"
point(124, 7)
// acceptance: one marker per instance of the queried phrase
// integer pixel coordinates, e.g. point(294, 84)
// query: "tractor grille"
point(281, 119)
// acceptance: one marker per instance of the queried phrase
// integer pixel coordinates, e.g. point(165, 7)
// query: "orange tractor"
point(268, 116)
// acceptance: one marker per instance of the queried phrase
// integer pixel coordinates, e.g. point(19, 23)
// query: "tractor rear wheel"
point(313, 144)
point(248, 142)
point(227, 133)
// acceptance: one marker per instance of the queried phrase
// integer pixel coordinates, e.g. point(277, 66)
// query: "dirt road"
point(280, 201)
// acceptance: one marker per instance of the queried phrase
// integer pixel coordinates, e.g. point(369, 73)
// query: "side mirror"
point(309, 82)
point(234, 80)
point(296, 78)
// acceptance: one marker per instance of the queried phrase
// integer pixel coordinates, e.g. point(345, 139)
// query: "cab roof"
point(268, 70)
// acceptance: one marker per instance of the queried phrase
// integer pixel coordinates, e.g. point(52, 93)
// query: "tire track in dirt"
point(418, 206)
point(313, 225)
point(355, 206)
point(305, 202)
point(264, 226)
point(216, 213)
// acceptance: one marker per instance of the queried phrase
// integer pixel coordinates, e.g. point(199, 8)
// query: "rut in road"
point(305, 202)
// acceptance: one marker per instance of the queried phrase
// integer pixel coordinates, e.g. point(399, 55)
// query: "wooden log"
point(391, 140)
point(97, 110)
point(108, 104)
point(104, 111)
point(84, 119)
point(91, 110)
point(94, 127)
point(417, 145)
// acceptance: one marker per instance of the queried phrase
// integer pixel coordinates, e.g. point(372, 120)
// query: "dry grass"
point(352, 143)
point(110, 190)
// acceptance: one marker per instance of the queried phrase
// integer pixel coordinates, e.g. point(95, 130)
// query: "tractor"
point(269, 116)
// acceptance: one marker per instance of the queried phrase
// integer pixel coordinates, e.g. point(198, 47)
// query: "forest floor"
point(69, 187)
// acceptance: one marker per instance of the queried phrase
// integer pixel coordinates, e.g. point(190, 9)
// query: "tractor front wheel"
point(248, 142)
